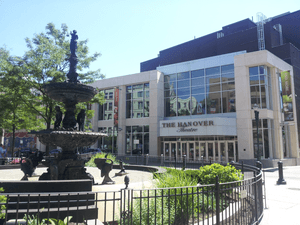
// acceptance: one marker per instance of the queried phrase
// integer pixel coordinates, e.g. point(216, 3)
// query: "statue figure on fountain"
point(58, 118)
point(28, 165)
point(80, 120)
point(69, 121)
point(73, 44)
point(72, 75)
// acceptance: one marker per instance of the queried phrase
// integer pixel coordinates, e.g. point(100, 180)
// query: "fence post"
point(255, 196)
point(243, 167)
point(217, 200)
point(259, 165)
point(280, 171)
point(184, 162)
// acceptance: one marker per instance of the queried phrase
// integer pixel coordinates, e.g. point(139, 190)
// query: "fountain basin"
point(70, 92)
point(68, 139)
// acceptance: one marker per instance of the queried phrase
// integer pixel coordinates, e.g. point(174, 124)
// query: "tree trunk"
point(49, 125)
point(13, 140)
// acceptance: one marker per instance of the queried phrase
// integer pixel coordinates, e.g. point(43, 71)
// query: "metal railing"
point(176, 162)
point(238, 202)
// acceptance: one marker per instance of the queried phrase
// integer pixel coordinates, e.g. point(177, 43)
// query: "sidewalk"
point(283, 201)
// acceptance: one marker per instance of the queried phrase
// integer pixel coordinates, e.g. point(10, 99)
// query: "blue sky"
point(127, 32)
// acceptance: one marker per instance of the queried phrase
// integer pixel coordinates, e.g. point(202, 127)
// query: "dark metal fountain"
point(68, 165)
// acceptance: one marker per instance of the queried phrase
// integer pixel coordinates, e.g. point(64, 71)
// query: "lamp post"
point(255, 107)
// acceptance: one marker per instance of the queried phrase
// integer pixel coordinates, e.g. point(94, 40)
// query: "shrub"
point(34, 220)
point(91, 163)
point(181, 204)
point(207, 174)
point(3, 199)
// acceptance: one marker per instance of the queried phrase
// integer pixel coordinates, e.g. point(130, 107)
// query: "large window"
point(137, 139)
point(264, 127)
point(109, 142)
point(106, 110)
point(205, 91)
point(260, 87)
point(137, 101)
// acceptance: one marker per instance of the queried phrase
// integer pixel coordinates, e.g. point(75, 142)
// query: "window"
point(105, 111)
point(137, 101)
point(260, 87)
point(204, 91)
point(108, 143)
point(137, 139)
point(264, 128)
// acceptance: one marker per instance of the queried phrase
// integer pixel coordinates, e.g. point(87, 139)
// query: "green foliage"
point(91, 162)
point(174, 178)
point(3, 199)
point(207, 174)
point(22, 78)
point(14, 114)
point(34, 220)
point(60, 222)
point(180, 204)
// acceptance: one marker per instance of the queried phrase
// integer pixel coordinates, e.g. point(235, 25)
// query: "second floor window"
point(137, 100)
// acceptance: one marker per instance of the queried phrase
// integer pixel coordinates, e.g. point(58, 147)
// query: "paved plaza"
point(283, 201)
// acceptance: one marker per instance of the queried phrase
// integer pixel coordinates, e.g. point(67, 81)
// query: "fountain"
point(68, 165)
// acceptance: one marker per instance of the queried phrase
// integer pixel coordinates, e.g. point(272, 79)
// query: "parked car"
point(92, 150)
point(136, 151)
point(23, 152)
point(54, 152)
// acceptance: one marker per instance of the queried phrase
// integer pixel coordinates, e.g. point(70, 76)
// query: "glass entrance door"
point(211, 150)
point(203, 150)
point(217, 152)
point(231, 151)
point(183, 148)
point(167, 150)
point(191, 151)
point(173, 150)
point(223, 152)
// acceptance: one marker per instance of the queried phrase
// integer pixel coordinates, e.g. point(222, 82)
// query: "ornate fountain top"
point(72, 75)
point(73, 44)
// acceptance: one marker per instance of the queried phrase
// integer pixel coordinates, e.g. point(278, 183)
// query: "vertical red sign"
point(116, 106)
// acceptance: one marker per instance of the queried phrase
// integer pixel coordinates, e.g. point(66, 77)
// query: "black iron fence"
point(222, 203)
point(176, 162)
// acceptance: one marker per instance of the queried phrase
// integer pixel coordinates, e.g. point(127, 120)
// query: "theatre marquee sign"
point(211, 126)
point(189, 126)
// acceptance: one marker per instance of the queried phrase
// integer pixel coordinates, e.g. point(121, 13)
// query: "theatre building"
point(203, 108)
point(229, 95)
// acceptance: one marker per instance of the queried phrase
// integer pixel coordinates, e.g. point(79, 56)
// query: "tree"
point(14, 115)
point(47, 61)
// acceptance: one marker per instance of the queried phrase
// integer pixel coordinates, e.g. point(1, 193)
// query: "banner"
point(287, 96)
point(116, 105)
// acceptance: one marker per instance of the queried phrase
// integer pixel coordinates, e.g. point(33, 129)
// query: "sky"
point(128, 32)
